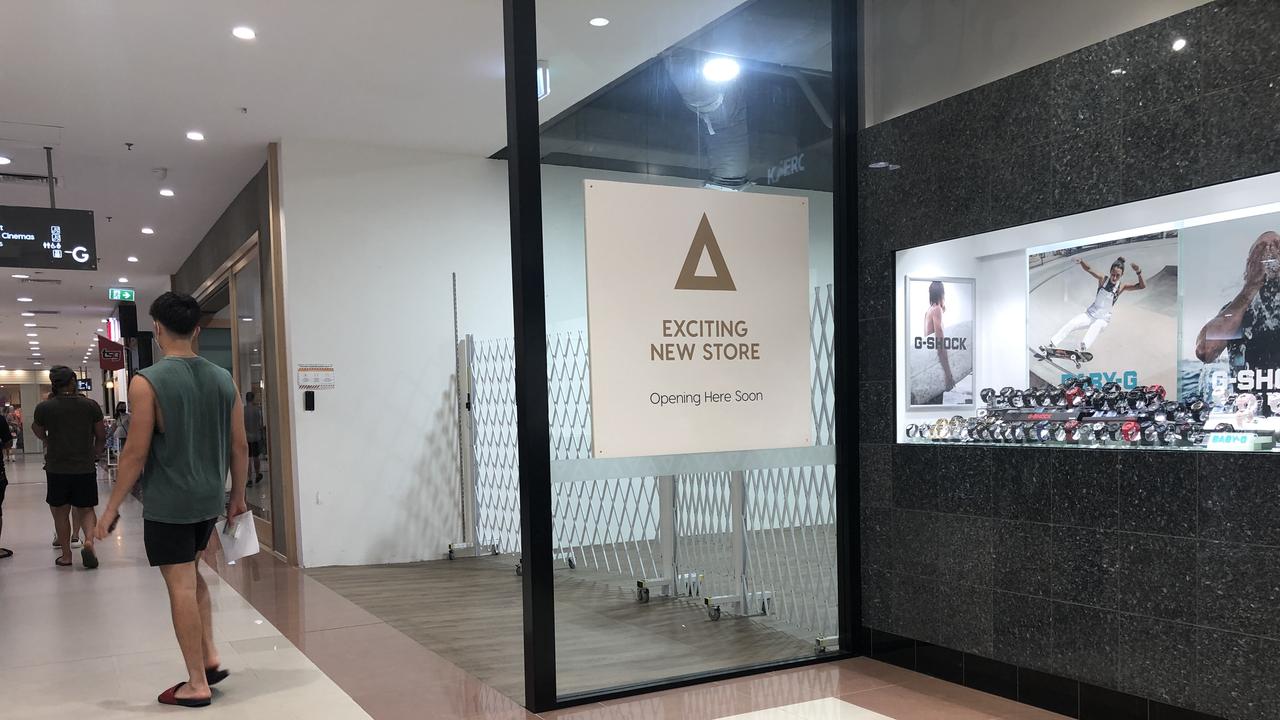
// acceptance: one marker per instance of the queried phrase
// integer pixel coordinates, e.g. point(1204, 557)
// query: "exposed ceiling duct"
point(721, 110)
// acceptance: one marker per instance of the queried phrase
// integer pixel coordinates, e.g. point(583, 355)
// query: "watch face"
point(1085, 434)
point(987, 395)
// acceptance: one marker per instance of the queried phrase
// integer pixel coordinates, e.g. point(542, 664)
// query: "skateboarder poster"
point(1105, 310)
point(939, 343)
point(1230, 340)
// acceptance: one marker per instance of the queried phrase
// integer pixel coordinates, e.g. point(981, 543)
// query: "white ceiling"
point(425, 74)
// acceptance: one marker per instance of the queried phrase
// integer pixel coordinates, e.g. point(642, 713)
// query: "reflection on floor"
point(79, 643)
point(469, 611)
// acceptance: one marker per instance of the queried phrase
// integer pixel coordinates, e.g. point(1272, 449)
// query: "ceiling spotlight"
point(4, 160)
point(1179, 44)
point(195, 135)
point(37, 355)
point(37, 363)
point(132, 258)
point(33, 342)
point(147, 230)
point(721, 69)
point(20, 276)
point(28, 314)
point(33, 334)
point(25, 299)
point(244, 32)
point(598, 22)
point(1119, 71)
point(124, 280)
point(166, 192)
point(28, 324)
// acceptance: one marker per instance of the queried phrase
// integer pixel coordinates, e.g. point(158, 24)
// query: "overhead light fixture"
point(33, 334)
point(33, 342)
point(1119, 71)
point(1179, 45)
point(28, 324)
point(166, 192)
point(147, 230)
point(598, 22)
point(36, 355)
point(244, 32)
point(195, 135)
point(20, 276)
point(37, 363)
point(246, 319)
point(25, 299)
point(28, 314)
point(878, 165)
point(4, 160)
point(721, 69)
point(132, 258)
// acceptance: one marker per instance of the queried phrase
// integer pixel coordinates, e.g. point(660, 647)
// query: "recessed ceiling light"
point(104, 320)
point(28, 314)
point(148, 231)
point(28, 324)
point(124, 280)
point(598, 22)
point(132, 258)
point(721, 69)
point(1179, 44)
point(33, 342)
point(25, 299)
point(195, 135)
point(20, 276)
point(4, 160)
point(37, 363)
point(33, 334)
point(244, 32)
point(36, 355)
point(166, 192)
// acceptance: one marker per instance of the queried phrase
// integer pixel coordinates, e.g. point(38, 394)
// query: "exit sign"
point(121, 294)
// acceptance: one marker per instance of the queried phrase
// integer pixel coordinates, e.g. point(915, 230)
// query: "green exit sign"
point(121, 294)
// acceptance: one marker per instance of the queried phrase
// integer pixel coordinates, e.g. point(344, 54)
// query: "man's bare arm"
point(142, 399)
point(1224, 328)
point(239, 460)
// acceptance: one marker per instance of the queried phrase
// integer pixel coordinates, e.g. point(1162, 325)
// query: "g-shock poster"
point(1229, 352)
point(1107, 311)
point(940, 341)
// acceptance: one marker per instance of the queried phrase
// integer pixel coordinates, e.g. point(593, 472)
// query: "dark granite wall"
point(1156, 574)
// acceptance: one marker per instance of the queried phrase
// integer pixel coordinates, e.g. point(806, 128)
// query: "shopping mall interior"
point(591, 361)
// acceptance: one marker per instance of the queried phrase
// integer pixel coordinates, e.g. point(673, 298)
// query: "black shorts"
point(255, 449)
point(79, 490)
point(4, 485)
point(173, 544)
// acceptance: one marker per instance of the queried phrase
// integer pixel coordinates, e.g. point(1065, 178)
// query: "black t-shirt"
point(69, 422)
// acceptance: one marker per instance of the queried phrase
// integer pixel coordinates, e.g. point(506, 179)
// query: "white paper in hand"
point(239, 538)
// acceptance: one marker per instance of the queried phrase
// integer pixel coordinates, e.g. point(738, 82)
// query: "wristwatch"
point(1130, 431)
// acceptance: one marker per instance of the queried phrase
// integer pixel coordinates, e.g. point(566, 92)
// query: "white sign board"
point(316, 377)
point(698, 320)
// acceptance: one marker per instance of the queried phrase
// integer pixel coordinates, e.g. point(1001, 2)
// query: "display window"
point(1161, 334)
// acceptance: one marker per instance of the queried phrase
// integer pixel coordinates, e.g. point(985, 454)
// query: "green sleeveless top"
point(186, 470)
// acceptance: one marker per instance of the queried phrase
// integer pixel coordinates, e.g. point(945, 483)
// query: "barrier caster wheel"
point(642, 595)
point(519, 569)
point(572, 564)
point(714, 613)
point(450, 553)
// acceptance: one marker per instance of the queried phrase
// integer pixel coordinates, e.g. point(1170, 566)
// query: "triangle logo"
point(704, 240)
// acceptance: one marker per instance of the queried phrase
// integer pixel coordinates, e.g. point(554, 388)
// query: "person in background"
point(253, 434)
point(120, 432)
point(11, 424)
point(74, 432)
point(186, 434)
point(6, 438)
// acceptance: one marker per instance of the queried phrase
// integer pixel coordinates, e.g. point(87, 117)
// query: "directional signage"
point(47, 239)
point(121, 294)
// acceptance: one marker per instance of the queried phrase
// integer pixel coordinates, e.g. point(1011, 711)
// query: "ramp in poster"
point(698, 320)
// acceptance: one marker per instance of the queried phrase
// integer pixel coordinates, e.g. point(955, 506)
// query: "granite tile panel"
point(1022, 557)
point(1098, 703)
point(1239, 498)
point(917, 609)
point(1157, 659)
point(1019, 104)
point(875, 285)
point(1088, 169)
point(967, 623)
point(877, 537)
point(877, 598)
point(875, 412)
point(916, 468)
point(1240, 42)
point(1239, 588)
point(1242, 131)
point(1021, 480)
point(1086, 643)
point(1157, 76)
point(1087, 90)
point(964, 480)
point(1158, 493)
point(875, 349)
point(1022, 185)
point(1085, 492)
point(964, 549)
point(1084, 566)
point(1156, 576)
point(1230, 682)
point(1163, 151)
point(916, 542)
point(962, 190)
point(1269, 667)
point(875, 475)
point(1022, 630)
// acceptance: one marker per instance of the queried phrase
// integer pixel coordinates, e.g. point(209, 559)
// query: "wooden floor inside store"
point(469, 611)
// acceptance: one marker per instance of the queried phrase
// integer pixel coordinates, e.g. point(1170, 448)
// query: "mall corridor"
point(76, 643)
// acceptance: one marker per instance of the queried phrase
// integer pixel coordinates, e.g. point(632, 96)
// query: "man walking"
point(6, 437)
point(74, 434)
point(186, 434)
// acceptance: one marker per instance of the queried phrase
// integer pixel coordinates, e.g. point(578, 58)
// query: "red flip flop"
point(170, 697)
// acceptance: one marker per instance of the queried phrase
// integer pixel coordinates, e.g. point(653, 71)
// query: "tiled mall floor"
point(78, 643)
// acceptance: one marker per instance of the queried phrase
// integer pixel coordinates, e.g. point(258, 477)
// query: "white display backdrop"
point(998, 262)
point(698, 320)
